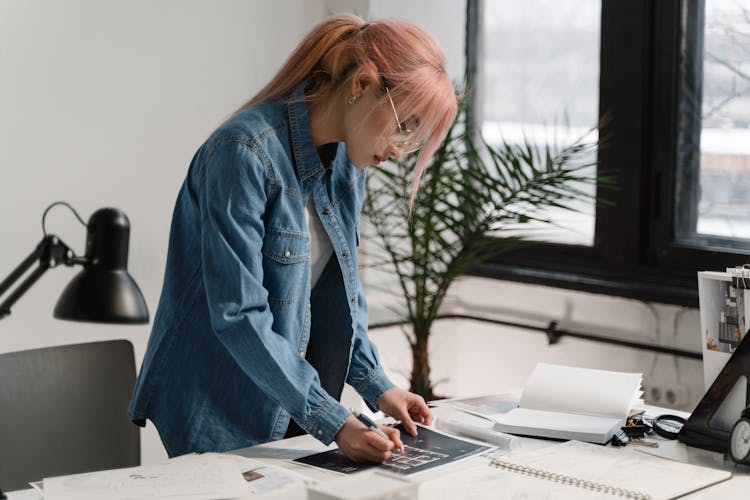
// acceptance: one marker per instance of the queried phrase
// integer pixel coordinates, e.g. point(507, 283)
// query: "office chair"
point(63, 410)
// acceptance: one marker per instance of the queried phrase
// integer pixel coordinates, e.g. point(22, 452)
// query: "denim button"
point(326, 212)
point(345, 254)
point(287, 254)
point(320, 432)
point(302, 353)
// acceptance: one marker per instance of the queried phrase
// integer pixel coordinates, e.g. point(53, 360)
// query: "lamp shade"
point(103, 291)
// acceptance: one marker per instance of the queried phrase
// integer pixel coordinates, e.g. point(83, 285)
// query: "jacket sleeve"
point(233, 204)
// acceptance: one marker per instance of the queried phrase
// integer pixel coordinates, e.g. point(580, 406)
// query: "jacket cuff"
point(326, 422)
point(373, 386)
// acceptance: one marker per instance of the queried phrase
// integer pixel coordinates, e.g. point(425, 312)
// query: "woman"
point(262, 318)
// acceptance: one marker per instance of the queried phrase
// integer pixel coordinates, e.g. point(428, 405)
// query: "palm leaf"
point(469, 191)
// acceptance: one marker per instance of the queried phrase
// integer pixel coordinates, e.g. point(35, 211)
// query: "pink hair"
point(405, 55)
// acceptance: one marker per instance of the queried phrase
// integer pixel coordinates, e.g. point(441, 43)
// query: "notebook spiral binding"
point(573, 481)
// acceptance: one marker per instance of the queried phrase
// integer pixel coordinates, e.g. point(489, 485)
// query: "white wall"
point(475, 357)
point(103, 103)
point(444, 19)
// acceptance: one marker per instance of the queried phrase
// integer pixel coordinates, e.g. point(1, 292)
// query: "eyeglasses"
point(403, 138)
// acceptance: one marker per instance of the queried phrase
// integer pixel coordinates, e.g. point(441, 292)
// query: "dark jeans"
point(294, 430)
point(318, 354)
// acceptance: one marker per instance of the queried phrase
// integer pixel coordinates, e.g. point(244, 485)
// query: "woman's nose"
point(396, 152)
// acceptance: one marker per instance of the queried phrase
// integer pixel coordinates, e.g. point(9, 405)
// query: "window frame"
point(635, 252)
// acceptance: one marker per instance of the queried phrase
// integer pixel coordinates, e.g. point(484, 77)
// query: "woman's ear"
point(361, 82)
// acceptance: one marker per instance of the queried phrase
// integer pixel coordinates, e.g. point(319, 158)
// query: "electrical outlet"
point(676, 396)
point(654, 394)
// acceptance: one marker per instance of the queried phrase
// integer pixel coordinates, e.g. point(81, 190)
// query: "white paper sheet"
point(483, 405)
point(205, 476)
point(585, 391)
point(30, 494)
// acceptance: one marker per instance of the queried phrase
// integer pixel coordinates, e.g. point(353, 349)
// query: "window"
point(542, 89)
point(673, 79)
point(714, 199)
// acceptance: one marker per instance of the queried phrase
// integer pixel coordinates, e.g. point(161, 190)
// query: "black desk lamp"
point(103, 291)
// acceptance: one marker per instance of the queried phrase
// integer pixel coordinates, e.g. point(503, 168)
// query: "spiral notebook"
point(577, 470)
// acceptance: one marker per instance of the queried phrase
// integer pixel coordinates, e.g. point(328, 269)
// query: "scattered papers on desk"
point(566, 402)
point(486, 406)
point(189, 477)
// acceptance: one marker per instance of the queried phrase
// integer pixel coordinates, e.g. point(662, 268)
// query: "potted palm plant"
point(471, 196)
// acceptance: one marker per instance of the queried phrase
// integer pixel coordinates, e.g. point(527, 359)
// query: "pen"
point(371, 425)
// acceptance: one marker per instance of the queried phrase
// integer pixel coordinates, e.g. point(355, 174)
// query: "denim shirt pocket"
point(285, 254)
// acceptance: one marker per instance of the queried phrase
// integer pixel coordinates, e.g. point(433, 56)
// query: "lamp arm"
point(50, 252)
point(22, 268)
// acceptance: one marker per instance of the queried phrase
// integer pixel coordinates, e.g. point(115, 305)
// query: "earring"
point(351, 99)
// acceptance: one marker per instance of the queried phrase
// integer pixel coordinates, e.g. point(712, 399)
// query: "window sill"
point(640, 285)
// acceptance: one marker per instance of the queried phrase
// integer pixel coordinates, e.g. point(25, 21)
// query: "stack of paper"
point(566, 402)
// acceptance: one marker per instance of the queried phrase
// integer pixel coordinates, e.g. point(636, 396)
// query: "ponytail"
point(320, 58)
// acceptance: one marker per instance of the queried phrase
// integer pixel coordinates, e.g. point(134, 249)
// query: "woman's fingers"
point(395, 436)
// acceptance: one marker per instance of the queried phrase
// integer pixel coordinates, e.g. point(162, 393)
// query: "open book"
point(566, 402)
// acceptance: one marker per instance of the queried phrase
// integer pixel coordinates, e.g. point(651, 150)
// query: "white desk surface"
point(280, 453)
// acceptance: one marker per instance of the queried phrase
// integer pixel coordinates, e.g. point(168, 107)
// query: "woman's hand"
point(361, 444)
point(406, 407)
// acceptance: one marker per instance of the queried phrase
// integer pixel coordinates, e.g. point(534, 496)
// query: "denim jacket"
point(226, 365)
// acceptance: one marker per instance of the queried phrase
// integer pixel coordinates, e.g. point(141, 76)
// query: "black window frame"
point(635, 253)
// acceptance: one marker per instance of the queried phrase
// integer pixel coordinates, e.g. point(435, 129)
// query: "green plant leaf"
point(471, 194)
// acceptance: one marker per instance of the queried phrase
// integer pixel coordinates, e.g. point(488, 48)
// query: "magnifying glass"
point(668, 426)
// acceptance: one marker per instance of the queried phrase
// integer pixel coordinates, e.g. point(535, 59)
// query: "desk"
point(280, 453)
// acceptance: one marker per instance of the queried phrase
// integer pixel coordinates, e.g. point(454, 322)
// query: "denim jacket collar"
point(306, 156)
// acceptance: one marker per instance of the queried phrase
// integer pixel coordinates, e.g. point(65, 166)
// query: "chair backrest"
point(63, 410)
